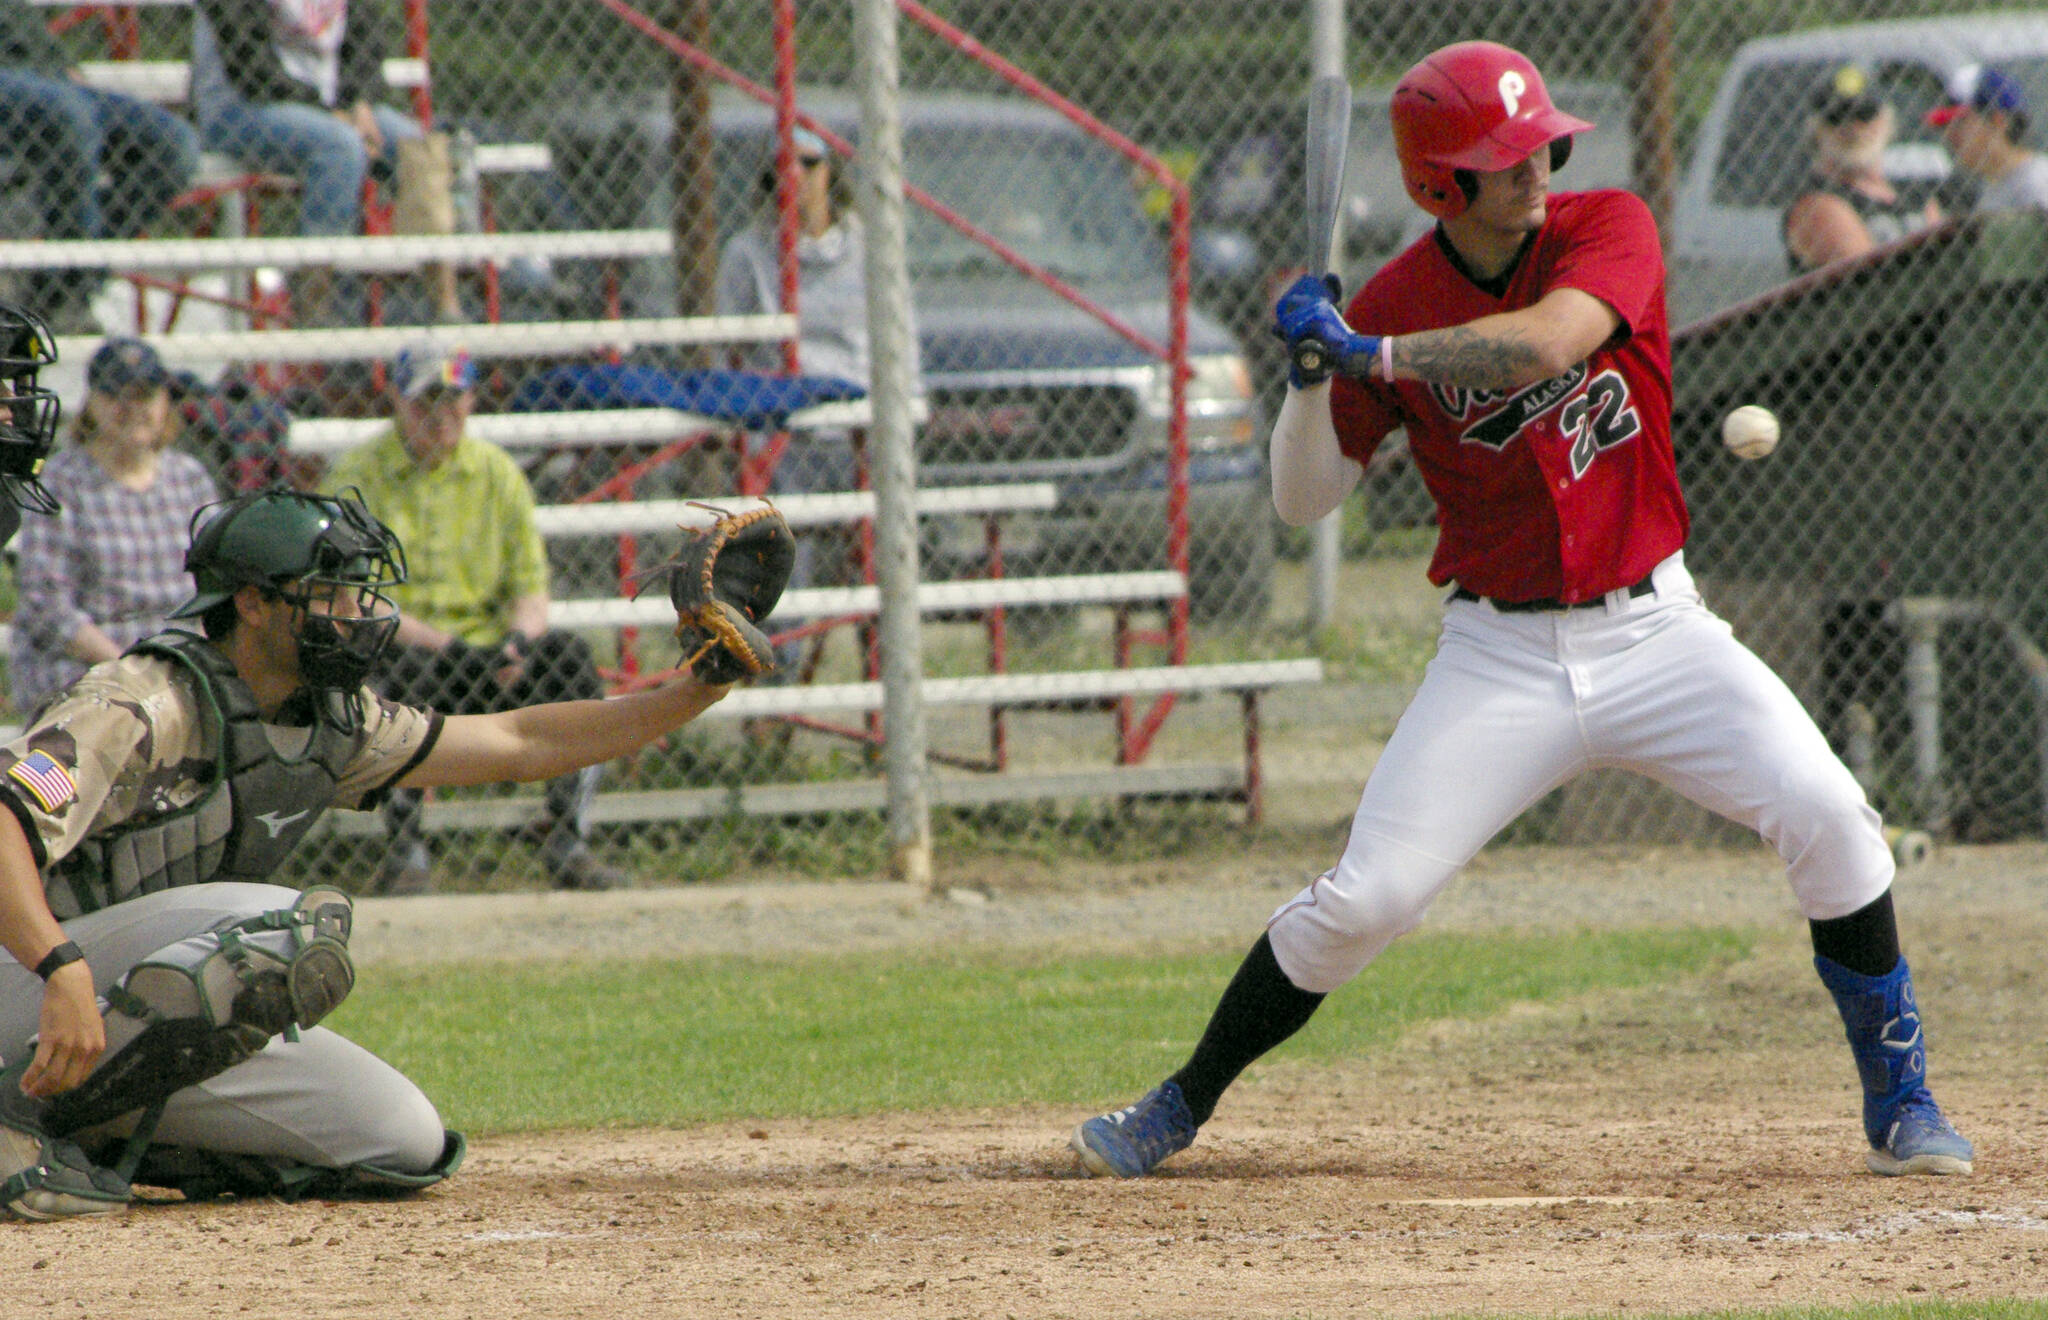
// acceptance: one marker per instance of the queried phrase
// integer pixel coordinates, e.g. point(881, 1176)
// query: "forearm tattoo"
point(1462, 357)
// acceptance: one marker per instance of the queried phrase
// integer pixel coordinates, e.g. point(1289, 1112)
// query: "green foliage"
point(512, 1047)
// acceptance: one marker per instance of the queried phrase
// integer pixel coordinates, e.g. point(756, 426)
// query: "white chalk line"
point(2024, 1219)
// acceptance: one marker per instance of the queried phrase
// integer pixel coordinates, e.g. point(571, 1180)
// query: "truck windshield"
point(1062, 202)
point(1764, 154)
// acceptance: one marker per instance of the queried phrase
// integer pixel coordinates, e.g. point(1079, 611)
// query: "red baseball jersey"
point(1565, 488)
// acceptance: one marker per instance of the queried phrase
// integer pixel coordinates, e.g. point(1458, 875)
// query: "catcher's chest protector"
point(241, 828)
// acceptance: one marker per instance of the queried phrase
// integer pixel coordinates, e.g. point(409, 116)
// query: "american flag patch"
point(49, 783)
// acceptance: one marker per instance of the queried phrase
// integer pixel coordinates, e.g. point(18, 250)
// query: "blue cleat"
point(1920, 1139)
point(1132, 1142)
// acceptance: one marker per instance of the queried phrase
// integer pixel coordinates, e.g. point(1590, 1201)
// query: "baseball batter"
point(1523, 347)
point(168, 1030)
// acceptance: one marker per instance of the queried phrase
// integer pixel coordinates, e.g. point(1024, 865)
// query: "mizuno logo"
point(274, 822)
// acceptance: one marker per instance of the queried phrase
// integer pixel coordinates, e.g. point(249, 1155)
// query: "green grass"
point(505, 1047)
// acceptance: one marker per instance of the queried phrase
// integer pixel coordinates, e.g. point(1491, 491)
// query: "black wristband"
point(62, 956)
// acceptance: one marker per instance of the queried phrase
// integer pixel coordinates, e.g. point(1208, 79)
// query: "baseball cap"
point(123, 362)
point(1846, 94)
point(1983, 89)
point(809, 146)
point(428, 364)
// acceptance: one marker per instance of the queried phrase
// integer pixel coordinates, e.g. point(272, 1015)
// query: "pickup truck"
point(1747, 162)
point(1020, 384)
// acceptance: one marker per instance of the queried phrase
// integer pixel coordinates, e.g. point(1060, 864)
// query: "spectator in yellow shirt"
point(473, 634)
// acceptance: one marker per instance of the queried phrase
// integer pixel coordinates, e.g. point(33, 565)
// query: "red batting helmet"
point(1474, 106)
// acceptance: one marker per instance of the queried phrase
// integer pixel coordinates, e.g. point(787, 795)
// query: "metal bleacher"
point(1113, 689)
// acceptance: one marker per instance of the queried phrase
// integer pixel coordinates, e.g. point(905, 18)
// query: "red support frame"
point(1136, 739)
point(1135, 734)
point(124, 32)
point(788, 222)
point(416, 47)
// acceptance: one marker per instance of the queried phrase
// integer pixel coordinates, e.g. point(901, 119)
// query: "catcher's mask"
point(29, 413)
point(324, 555)
point(1474, 106)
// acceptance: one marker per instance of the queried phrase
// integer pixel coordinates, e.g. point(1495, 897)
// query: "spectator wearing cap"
point(1848, 205)
point(1984, 121)
point(473, 635)
point(105, 570)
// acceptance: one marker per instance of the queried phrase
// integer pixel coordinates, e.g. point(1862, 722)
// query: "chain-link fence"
point(554, 165)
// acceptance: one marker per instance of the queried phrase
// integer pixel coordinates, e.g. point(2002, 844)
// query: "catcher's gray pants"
point(322, 1100)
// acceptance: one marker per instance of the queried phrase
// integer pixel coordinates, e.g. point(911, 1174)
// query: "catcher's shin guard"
point(196, 1008)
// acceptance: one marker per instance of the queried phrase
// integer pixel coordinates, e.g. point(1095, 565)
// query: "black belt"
point(1545, 603)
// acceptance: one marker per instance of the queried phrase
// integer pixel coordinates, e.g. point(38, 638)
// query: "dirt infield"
point(1636, 1153)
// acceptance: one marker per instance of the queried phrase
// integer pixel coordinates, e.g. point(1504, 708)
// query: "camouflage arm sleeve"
point(118, 742)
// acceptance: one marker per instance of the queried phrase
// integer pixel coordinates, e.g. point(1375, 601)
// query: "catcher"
point(161, 1023)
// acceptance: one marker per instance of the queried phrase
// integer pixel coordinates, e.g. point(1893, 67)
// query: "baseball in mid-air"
point(1750, 431)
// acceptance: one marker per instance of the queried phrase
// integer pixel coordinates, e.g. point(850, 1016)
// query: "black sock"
point(1866, 941)
point(1259, 1009)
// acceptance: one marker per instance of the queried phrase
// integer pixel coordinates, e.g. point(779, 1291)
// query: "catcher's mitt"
point(723, 584)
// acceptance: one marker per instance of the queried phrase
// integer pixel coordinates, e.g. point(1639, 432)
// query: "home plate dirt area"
point(1633, 1153)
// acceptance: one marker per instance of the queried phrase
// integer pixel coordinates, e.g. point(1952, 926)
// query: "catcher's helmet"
point(314, 551)
point(28, 412)
point(1474, 106)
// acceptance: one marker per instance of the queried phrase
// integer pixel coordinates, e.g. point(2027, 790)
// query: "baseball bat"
point(1327, 139)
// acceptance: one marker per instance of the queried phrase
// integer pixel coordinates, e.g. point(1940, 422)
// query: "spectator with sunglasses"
point(1848, 205)
point(832, 339)
point(832, 325)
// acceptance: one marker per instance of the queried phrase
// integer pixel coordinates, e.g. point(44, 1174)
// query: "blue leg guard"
point(1906, 1129)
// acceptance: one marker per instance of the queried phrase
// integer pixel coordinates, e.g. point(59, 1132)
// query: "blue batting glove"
point(1319, 343)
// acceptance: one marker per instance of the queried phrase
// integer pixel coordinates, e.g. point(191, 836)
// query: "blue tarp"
point(746, 398)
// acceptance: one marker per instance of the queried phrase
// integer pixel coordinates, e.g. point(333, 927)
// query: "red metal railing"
point(788, 220)
point(416, 47)
point(1136, 739)
point(1136, 734)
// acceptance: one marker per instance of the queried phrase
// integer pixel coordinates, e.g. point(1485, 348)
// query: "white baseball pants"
point(1515, 704)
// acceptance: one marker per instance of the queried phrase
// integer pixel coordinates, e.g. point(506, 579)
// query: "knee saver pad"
point(203, 1175)
point(196, 1008)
